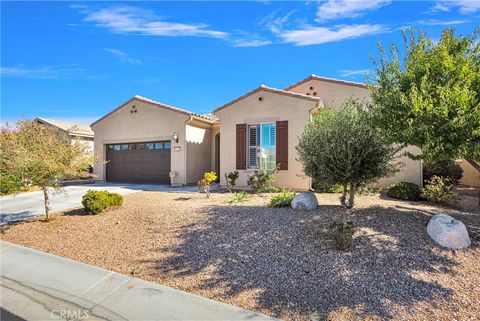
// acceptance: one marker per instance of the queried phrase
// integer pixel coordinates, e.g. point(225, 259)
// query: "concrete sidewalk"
point(40, 286)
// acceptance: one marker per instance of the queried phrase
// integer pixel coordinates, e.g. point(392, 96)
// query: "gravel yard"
point(278, 261)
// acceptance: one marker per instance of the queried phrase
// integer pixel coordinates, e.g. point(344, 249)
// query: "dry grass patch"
point(277, 261)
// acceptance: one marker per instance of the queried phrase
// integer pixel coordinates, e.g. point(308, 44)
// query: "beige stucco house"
point(146, 141)
point(78, 133)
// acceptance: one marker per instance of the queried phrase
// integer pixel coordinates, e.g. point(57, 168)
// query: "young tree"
point(42, 156)
point(430, 96)
point(340, 147)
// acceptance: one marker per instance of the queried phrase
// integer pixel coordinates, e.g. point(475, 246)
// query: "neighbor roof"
point(158, 104)
point(71, 128)
point(331, 80)
point(269, 89)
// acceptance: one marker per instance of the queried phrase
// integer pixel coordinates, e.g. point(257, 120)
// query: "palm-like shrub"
point(282, 199)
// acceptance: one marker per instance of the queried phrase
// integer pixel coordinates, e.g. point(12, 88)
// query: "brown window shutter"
point(282, 144)
point(241, 142)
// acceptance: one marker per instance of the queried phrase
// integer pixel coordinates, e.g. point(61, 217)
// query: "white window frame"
point(259, 146)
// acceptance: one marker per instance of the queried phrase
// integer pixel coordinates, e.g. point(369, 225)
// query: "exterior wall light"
point(175, 137)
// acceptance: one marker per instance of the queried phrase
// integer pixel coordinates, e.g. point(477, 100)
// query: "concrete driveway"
point(21, 206)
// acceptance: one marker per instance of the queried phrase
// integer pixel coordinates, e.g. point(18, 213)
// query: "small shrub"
point(10, 185)
point(439, 190)
point(283, 199)
point(238, 198)
point(231, 179)
point(322, 187)
point(262, 181)
point(445, 168)
point(405, 191)
point(206, 181)
point(96, 202)
point(369, 189)
point(341, 233)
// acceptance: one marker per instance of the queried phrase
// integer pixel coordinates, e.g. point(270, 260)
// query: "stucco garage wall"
point(273, 107)
point(149, 123)
point(199, 147)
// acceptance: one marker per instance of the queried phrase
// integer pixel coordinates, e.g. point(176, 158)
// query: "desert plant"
point(405, 191)
point(341, 232)
point(262, 181)
point(323, 187)
point(340, 147)
point(283, 199)
point(96, 202)
point(238, 198)
point(231, 180)
point(41, 156)
point(444, 168)
point(439, 190)
point(206, 182)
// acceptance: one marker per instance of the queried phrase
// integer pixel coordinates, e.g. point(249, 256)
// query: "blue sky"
point(78, 60)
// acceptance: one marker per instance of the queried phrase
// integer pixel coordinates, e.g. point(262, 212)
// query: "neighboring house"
point(77, 133)
point(144, 140)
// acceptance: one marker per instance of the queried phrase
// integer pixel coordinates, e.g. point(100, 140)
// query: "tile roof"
point(269, 89)
point(331, 80)
point(71, 128)
point(158, 104)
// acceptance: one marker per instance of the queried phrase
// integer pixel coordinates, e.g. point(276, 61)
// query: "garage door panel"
point(134, 163)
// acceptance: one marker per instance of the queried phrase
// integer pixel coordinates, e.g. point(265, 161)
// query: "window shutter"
point(282, 144)
point(241, 143)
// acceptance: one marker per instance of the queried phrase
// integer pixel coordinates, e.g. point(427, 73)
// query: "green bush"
point(10, 185)
point(445, 168)
point(283, 199)
point(322, 187)
point(96, 202)
point(439, 190)
point(231, 179)
point(341, 233)
point(405, 191)
point(238, 198)
point(262, 181)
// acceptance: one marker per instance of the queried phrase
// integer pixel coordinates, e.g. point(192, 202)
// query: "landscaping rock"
point(305, 201)
point(448, 232)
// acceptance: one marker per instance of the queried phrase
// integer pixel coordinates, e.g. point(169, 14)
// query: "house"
point(77, 133)
point(147, 141)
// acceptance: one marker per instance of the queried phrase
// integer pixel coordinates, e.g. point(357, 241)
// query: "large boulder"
point(305, 201)
point(448, 232)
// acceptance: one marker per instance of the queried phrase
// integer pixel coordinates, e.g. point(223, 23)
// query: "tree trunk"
point(343, 198)
point(351, 199)
point(47, 203)
point(477, 167)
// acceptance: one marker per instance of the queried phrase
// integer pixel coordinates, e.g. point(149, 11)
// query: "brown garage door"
point(139, 162)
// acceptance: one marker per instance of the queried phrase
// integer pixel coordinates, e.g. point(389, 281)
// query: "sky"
point(77, 61)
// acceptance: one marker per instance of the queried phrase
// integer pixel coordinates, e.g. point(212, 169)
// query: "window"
point(124, 147)
point(166, 145)
point(261, 146)
point(116, 147)
point(110, 147)
point(158, 145)
point(149, 145)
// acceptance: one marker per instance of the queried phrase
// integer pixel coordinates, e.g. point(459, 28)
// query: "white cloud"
point(434, 22)
point(319, 35)
point(274, 22)
point(354, 72)
point(464, 6)
point(338, 9)
point(123, 56)
point(250, 42)
point(132, 20)
point(43, 72)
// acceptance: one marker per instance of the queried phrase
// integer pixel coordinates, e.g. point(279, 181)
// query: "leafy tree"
point(429, 96)
point(32, 154)
point(340, 147)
